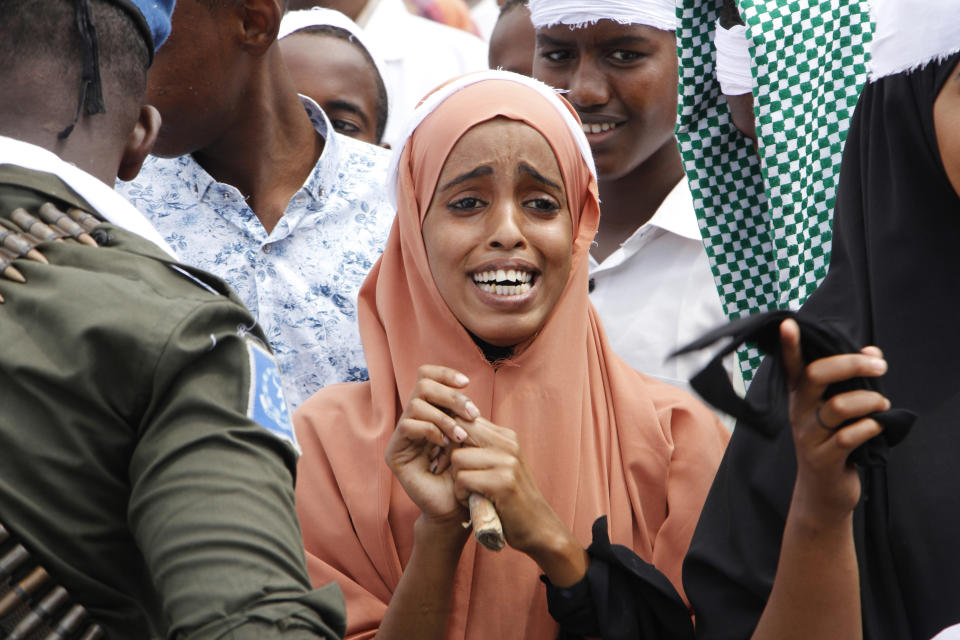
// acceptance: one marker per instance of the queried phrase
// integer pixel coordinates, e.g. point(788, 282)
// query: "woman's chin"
point(500, 337)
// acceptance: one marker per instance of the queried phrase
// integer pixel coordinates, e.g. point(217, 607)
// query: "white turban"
point(660, 14)
point(319, 17)
point(911, 33)
point(733, 60)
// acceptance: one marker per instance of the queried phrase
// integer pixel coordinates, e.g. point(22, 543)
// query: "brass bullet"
point(44, 609)
point(13, 559)
point(68, 624)
point(52, 215)
point(22, 590)
point(93, 633)
point(84, 219)
point(34, 225)
point(20, 245)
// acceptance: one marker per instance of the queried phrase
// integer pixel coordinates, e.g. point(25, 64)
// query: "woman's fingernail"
point(471, 409)
point(461, 380)
point(878, 365)
point(446, 441)
point(433, 467)
point(459, 433)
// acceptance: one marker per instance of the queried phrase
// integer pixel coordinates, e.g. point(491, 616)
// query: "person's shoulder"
point(160, 170)
point(163, 186)
point(327, 411)
point(363, 177)
point(445, 33)
point(357, 154)
point(428, 36)
point(129, 270)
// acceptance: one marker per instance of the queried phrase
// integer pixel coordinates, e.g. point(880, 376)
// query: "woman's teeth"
point(599, 127)
point(504, 282)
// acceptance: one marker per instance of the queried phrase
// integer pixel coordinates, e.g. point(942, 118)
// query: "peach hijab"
point(600, 437)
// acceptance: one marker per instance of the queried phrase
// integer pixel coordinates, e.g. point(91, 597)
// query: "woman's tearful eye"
point(467, 204)
point(543, 205)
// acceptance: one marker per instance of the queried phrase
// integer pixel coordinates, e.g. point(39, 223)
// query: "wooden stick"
point(486, 523)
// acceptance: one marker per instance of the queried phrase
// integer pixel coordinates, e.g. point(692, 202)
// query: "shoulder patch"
point(267, 406)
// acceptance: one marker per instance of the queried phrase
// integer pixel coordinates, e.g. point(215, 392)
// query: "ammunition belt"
point(23, 231)
point(32, 605)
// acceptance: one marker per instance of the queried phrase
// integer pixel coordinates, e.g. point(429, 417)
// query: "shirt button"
point(266, 248)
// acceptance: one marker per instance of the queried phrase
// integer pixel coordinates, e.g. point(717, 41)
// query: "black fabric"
point(892, 282)
point(622, 597)
point(768, 414)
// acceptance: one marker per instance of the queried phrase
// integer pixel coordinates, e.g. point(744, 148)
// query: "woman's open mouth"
point(505, 282)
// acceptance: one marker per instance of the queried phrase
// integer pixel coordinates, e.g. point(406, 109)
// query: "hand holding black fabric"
point(768, 413)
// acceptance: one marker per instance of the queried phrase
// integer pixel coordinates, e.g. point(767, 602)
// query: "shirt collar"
point(676, 213)
point(324, 173)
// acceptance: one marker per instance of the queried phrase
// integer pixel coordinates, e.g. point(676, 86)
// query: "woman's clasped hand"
point(443, 450)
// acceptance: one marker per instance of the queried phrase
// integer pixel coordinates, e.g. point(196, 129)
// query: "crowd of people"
point(297, 296)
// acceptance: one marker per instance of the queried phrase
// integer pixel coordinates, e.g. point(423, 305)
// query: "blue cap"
point(153, 18)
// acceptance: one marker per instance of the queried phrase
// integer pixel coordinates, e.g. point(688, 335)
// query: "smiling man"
point(650, 278)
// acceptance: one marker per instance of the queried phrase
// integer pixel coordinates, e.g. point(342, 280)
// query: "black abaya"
point(894, 281)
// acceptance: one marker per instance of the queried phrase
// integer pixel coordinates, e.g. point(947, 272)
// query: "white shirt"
point(420, 55)
point(301, 280)
point(656, 293)
point(485, 14)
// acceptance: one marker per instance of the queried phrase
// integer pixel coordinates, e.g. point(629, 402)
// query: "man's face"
point(189, 82)
point(512, 43)
point(622, 80)
point(336, 75)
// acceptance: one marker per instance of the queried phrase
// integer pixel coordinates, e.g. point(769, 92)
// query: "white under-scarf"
point(733, 60)
point(105, 201)
point(435, 99)
point(911, 33)
point(660, 14)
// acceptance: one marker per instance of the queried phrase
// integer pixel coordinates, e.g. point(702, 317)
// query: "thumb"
point(790, 350)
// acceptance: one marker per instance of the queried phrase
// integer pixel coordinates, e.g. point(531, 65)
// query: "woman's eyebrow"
point(482, 170)
point(523, 167)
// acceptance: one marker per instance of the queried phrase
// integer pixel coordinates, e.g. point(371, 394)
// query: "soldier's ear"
point(140, 142)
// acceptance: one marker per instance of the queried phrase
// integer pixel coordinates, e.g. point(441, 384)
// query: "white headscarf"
point(911, 33)
point(433, 100)
point(733, 60)
point(319, 17)
point(660, 14)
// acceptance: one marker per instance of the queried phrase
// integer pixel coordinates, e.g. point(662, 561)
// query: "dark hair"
point(343, 34)
point(511, 4)
point(730, 15)
point(33, 30)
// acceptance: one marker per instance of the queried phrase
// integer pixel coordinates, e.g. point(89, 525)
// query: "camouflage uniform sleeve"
point(211, 490)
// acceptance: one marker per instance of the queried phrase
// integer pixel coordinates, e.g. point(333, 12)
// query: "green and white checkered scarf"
point(766, 221)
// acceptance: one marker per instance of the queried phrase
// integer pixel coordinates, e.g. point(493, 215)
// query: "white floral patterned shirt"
point(301, 280)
